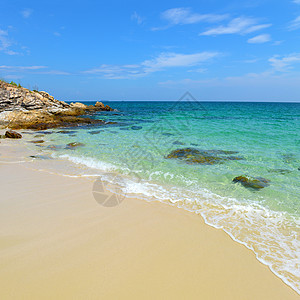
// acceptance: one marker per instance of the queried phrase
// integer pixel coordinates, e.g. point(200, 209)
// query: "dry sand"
point(57, 242)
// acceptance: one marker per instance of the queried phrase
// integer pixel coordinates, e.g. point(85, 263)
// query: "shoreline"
point(116, 244)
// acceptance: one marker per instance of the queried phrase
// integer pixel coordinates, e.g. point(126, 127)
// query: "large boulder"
point(255, 183)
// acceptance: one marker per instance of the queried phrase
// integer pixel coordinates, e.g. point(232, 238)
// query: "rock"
point(39, 135)
point(37, 142)
point(74, 145)
point(202, 157)
point(136, 127)
point(251, 182)
point(100, 106)
point(95, 132)
point(280, 171)
point(67, 131)
point(78, 105)
point(178, 143)
point(2, 136)
point(13, 134)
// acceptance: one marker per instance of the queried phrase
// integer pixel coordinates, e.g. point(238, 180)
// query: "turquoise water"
point(265, 137)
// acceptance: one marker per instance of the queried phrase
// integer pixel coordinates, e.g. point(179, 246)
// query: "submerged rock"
point(280, 171)
point(13, 135)
point(37, 141)
point(252, 182)
point(74, 145)
point(178, 143)
point(136, 127)
point(95, 131)
point(203, 157)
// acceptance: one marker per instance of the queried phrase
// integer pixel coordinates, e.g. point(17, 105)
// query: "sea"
point(258, 140)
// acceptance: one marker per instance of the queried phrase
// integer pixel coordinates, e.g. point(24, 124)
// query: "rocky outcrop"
point(22, 108)
point(255, 183)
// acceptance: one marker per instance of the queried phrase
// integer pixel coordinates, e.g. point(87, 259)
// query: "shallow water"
point(264, 135)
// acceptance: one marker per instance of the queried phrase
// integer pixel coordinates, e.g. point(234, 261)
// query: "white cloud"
point(297, 1)
point(166, 60)
point(5, 43)
point(241, 25)
point(183, 15)
point(284, 63)
point(18, 68)
point(186, 16)
point(295, 24)
point(135, 16)
point(259, 39)
point(26, 13)
point(8, 70)
point(159, 63)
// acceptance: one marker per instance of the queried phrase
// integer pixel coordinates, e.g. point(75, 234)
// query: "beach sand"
point(57, 242)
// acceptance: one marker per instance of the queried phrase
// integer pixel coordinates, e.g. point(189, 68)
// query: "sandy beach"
point(57, 242)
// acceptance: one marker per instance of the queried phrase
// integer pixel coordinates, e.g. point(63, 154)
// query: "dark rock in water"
point(202, 157)
point(288, 158)
point(13, 135)
point(256, 183)
point(280, 171)
point(39, 135)
point(45, 132)
point(95, 131)
point(2, 136)
point(74, 145)
point(222, 152)
point(192, 144)
point(299, 169)
point(136, 127)
point(167, 134)
point(178, 143)
point(37, 141)
point(67, 131)
point(233, 158)
point(194, 156)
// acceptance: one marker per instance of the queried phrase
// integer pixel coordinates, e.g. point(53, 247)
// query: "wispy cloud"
point(295, 24)
point(184, 15)
point(26, 13)
point(159, 63)
point(297, 1)
point(241, 25)
point(5, 43)
point(167, 60)
point(284, 63)
point(136, 17)
point(260, 39)
point(21, 68)
point(8, 70)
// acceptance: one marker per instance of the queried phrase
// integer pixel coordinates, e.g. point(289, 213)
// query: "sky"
point(153, 50)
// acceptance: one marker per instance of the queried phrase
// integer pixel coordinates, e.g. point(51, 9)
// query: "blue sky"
point(153, 50)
